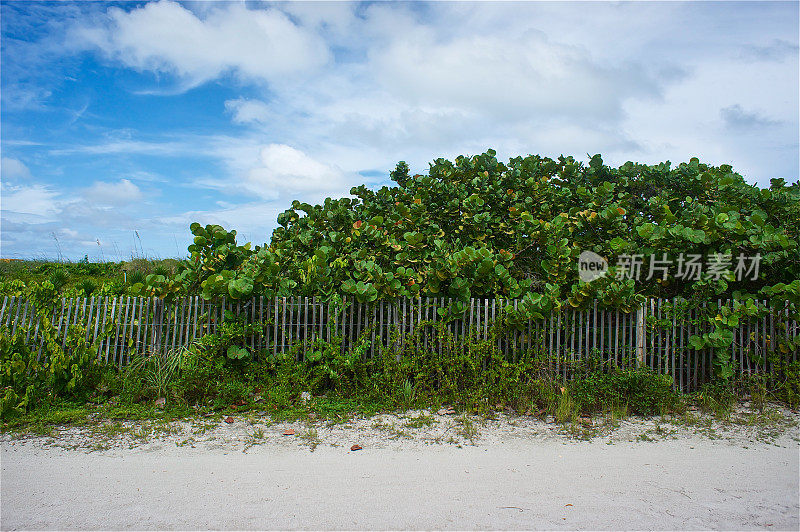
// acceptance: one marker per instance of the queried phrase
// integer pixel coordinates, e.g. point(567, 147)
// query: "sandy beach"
point(514, 474)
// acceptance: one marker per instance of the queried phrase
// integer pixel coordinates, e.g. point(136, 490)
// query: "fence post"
point(159, 324)
point(640, 341)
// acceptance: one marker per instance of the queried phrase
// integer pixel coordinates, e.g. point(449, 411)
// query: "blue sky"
point(131, 117)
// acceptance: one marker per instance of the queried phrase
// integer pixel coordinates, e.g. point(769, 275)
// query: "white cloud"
point(246, 111)
point(735, 117)
point(36, 200)
point(284, 170)
point(524, 77)
point(262, 44)
point(165, 148)
point(11, 168)
point(419, 81)
point(691, 120)
point(777, 50)
point(121, 192)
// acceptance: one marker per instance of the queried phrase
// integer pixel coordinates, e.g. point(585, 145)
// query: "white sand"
point(510, 479)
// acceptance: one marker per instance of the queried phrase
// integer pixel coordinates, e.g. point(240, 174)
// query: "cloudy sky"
point(143, 117)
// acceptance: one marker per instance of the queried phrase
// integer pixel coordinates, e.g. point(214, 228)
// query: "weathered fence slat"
point(656, 335)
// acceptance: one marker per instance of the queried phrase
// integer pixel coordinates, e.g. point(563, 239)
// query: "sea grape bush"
point(63, 367)
point(479, 227)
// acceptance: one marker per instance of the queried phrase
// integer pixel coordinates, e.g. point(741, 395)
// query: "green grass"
point(311, 438)
point(466, 428)
point(81, 279)
point(420, 421)
point(567, 409)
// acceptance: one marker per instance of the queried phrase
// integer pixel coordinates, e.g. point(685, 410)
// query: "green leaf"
point(645, 230)
point(696, 342)
point(237, 353)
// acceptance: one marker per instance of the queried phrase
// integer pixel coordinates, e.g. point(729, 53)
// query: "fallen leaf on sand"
point(288, 432)
point(229, 419)
point(356, 447)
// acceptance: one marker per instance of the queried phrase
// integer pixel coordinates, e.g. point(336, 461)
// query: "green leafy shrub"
point(136, 277)
point(27, 376)
point(229, 339)
point(231, 391)
point(72, 279)
point(202, 383)
point(87, 287)
point(58, 279)
point(717, 397)
point(788, 385)
point(236, 352)
point(478, 227)
point(156, 374)
point(327, 367)
point(642, 390)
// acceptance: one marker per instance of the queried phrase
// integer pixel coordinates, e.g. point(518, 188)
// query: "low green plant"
point(64, 367)
point(311, 438)
point(231, 392)
point(567, 408)
point(618, 411)
point(427, 369)
point(466, 428)
point(155, 374)
point(229, 339)
point(58, 279)
point(201, 384)
point(135, 277)
point(237, 353)
point(87, 287)
point(642, 390)
point(786, 389)
point(328, 367)
point(718, 398)
point(419, 421)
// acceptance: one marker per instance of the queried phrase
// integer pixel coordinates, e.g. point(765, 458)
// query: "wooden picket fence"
point(122, 327)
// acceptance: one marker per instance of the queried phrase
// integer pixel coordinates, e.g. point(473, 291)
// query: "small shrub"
point(787, 389)
point(136, 276)
point(58, 279)
point(87, 286)
point(567, 408)
point(231, 392)
point(155, 374)
point(717, 397)
point(642, 390)
point(65, 368)
point(328, 368)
